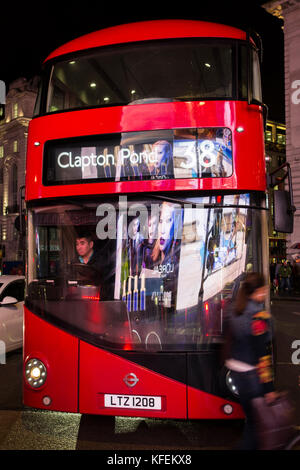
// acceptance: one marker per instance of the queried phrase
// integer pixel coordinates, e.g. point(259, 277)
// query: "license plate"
point(132, 401)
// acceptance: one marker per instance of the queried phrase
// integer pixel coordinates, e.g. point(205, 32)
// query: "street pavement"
point(28, 429)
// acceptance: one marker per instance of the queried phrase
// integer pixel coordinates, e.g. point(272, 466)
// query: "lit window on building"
point(15, 146)
point(1, 151)
point(15, 110)
point(14, 185)
point(280, 139)
point(268, 136)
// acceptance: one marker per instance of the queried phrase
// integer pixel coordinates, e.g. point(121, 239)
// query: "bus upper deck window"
point(256, 80)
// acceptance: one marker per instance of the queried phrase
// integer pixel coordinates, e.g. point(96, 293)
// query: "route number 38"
point(207, 157)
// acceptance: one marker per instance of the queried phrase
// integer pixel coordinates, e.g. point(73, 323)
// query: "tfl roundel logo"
point(131, 379)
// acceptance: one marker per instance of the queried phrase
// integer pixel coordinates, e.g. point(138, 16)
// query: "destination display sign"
point(132, 156)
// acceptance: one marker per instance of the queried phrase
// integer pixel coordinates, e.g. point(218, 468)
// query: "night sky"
point(29, 32)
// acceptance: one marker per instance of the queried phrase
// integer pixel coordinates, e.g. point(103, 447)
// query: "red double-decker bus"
point(146, 205)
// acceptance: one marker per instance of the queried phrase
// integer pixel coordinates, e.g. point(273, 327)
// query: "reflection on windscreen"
point(160, 154)
point(142, 274)
point(173, 69)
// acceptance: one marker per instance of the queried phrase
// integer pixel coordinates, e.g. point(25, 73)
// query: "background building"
point(20, 102)
point(289, 12)
point(275, 145)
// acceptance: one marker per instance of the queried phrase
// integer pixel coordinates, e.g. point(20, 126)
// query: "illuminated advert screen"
point(146, 155)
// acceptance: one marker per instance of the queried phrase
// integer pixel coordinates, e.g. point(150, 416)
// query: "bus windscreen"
point(160, 273)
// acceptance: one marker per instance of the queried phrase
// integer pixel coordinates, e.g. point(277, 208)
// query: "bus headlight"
point(230, 384)
point(35, 373)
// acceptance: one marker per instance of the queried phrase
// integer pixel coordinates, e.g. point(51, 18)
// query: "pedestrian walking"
point(285, 274)
point(273, 276)
point(250, 358)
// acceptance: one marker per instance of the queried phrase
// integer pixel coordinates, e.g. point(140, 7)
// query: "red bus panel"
point(59, 352)
point(103, 373)
point(148, 31)
point(202, 405)
point(248, 145)
point(106, 380)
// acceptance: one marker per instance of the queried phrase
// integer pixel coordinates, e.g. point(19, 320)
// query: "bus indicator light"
point(228, 409)
point(47, 401)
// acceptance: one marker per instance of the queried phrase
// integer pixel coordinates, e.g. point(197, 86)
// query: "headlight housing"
point(230, 384)
point(35, 373)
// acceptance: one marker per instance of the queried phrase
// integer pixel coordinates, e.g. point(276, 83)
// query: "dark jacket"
point(96, 260)
point(251, 341)
point(95, 272)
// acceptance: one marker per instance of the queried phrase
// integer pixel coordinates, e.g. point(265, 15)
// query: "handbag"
point(274, 422)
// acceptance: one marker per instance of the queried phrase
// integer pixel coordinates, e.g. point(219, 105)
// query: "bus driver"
point(87, 256)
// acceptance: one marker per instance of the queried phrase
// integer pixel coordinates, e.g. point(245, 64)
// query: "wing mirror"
point(284, 209)
point(9, 301)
